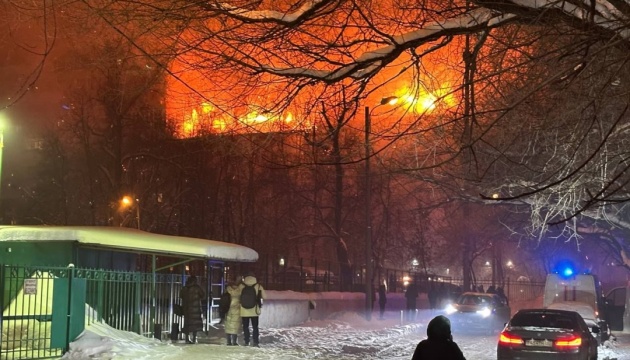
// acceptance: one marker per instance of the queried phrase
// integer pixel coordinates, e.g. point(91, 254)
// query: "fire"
point(205, 118)
point(424, 101)
point(196, 107)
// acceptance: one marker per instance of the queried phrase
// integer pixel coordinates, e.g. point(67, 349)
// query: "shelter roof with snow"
point(129, 240)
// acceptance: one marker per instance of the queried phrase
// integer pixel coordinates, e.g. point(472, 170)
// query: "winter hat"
point(439, 328)
point(191, 280)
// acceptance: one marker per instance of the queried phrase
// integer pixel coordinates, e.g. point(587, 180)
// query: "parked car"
point(547, 334)
point(478, 311)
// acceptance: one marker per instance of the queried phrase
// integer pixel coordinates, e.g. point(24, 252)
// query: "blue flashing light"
point(567, 272)
point(565, 268)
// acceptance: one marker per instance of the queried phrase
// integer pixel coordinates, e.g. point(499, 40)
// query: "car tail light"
point(569, 342)
point(507, 338)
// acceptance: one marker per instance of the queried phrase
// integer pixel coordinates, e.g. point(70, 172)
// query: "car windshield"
point(545, 320)
point(470, 299)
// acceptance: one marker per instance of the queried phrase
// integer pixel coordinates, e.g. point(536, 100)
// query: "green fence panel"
point(59, 326)
point(78, 292)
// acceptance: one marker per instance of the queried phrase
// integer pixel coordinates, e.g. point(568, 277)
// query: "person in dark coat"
point(192, 295)
point(382, 299)
point(411, 295)
point(433, 296)
point(501, 293)
point(442, 296)
point(439, 345)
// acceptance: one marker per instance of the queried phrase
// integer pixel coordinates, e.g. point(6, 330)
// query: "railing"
point(26, 318)
point(311, 275)
point(130, 301)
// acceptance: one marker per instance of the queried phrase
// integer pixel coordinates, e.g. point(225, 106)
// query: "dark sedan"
point(473, 311)
point(547, 334)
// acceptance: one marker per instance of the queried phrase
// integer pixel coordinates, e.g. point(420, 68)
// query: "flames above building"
point(194, 108)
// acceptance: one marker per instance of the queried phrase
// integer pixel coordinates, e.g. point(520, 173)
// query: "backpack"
point(249, 298)
point(224, 304)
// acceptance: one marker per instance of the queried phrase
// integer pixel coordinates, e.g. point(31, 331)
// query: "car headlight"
point(485, 312)
point(450, 309)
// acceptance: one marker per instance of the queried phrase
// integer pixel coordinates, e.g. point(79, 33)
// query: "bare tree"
point(544, 127)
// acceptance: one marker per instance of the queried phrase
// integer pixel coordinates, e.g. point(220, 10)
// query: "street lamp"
point(391, 100)
point(128, 201)
point(3, 120)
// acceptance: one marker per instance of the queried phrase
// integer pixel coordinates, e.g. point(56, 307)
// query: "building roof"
point(131, 240)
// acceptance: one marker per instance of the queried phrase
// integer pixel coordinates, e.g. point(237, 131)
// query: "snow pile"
point(101, 341)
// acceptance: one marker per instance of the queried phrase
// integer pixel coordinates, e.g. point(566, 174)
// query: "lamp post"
point(128, 201)
point(2, 123)
point(368, 218)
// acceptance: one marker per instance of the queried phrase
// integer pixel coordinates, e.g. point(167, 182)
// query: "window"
point(548, 320)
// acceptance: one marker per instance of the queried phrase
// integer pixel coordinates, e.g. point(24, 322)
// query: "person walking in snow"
point(233, 316)
point(252, 295)
point(411, 295)
point(382, 299)
point(192, 295)
point(439, 344)
point(432, 295)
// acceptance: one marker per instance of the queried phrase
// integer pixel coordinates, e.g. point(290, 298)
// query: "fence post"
point(301, 275)
point(508, 287)
point(2, 290)
point(138, 305)
point(315, 276)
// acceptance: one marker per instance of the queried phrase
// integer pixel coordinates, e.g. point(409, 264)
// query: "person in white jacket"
point(251, 308)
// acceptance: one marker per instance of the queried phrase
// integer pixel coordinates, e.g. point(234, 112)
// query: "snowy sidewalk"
point(346, 336)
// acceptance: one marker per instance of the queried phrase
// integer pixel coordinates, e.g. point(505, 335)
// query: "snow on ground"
point(343, 336)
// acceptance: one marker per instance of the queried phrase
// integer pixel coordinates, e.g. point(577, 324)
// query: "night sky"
point(31, 93)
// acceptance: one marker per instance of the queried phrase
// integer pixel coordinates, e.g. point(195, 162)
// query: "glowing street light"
point(128, 201)
point(368, 218)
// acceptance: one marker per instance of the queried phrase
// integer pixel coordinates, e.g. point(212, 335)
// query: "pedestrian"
point(382, 299)
point(192, 295)
point(491, 290)
point(411, 295)
point(252, 295)
point(392, 283)
point(501, 294)
point(441, 297)
point(439, 343)
point(432, 295)
point(373, 296)
point(233, 316)
point(480, 289)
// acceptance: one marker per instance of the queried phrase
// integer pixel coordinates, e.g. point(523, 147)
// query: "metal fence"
point(44, 308)
point(313, 275)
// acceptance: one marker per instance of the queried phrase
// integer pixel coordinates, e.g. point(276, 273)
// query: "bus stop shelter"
point(59, 278)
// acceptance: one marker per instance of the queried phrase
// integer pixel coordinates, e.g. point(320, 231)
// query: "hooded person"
point(192, 295)
point(251, 308)
point(439, 345)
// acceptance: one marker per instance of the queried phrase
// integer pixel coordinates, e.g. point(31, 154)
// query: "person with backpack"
point(252, 295)
point(192, 295)
point(230, 312)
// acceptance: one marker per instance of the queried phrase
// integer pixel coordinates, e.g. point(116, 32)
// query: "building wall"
point(41, 253)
